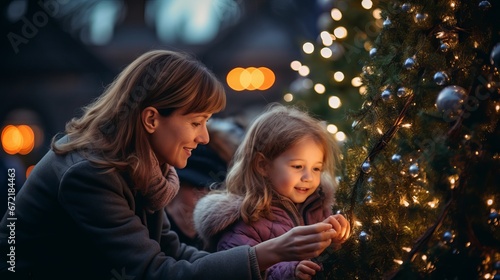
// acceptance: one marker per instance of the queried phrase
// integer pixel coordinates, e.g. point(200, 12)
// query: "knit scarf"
point(164, 186)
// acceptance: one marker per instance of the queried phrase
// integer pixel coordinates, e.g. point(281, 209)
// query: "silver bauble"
point(450, 100)
point(441, 78)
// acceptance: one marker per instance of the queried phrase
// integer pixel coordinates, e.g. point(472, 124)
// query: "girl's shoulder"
point(215, 212)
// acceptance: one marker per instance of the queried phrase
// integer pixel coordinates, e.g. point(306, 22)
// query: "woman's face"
point(177, 135)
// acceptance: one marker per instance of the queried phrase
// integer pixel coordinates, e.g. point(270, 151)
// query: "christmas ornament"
point(493, 218)
point(363, 236)
point(387, 23)
point(449, 101)
point(444, 47)
point(406, 7)
point(495, 56)
point(421, 18)
point(396, 158)
point(386, 95)
point(485, 5)
point(441, 78)
point(402, 92)
point(413, 170)
point(373, 52)
point(365, 167)
point(409, 63)
point(448, 236)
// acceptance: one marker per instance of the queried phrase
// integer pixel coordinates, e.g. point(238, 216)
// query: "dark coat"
point(74, 222)
point(217, 219)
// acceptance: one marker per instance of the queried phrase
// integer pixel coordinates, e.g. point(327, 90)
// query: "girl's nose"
point(307, 176)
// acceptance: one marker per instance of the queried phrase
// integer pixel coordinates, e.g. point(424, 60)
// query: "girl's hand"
point(306, 269)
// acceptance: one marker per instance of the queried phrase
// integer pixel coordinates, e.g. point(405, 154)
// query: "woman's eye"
point(297, 166)
point(196, 124)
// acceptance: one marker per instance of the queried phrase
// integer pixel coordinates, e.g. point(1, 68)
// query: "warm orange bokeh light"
point(28, 170)
point(250, 78)
point(18, 139)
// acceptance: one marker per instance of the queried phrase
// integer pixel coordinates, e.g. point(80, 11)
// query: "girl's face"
point(296, 172)
point(177, 135)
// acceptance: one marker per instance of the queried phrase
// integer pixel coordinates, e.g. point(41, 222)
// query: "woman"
point(93, 207)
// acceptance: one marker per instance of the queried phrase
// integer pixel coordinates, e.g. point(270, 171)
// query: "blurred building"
point(57, 55)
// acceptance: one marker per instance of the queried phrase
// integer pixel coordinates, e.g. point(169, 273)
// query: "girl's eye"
point(318, 169)
point(297, 166)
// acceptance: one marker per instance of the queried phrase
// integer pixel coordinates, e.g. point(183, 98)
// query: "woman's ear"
point(149, 119)
point(261, 164)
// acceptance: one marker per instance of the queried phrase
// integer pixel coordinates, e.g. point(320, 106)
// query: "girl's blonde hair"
point(271, 134)
point(110, 133)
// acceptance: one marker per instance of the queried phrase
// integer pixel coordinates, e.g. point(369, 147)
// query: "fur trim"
point(215, 212)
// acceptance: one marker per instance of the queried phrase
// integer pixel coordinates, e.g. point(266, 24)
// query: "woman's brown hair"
point(110, 133)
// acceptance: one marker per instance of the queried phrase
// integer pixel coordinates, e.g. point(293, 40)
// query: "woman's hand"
point(341, 226)
point(300, 243)
point(306, 269)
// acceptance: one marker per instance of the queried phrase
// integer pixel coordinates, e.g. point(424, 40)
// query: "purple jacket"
point(217, 220)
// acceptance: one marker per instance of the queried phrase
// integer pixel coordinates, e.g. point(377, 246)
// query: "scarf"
point(163, 187)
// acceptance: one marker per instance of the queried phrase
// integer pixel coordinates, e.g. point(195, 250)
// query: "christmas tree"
point(329, 74)
point(421, 174)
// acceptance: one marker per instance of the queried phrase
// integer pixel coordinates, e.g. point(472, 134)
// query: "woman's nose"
point(203, 138)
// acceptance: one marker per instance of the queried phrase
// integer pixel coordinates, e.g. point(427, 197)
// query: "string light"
point(295, 65)
point(326, 52)
point(288, 97)
point(319, 88)
point(304, 71)
point(336, 14)
point(308, 48)
point(340, 32)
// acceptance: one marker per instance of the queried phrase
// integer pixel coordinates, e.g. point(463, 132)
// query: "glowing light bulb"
point(336, 14)
point(288, 97)
point(332, 128)
point(334, 102)
point(340, 136)
point(319, 88)
point(295, 65)
point(340, 32)
point(308, 48)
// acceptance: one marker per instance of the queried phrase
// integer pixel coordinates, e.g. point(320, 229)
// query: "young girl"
point(280, 178)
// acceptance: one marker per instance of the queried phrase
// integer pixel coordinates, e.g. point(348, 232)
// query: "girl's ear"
point(149, 119)
point(261, 164)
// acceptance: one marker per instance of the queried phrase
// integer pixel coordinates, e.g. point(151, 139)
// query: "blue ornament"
point(413, 170)
point(373, 52)
point(495, 56)
point(396, 158)
point(485, 5)
point(366, 167)
point(441, 78)
point(402, 92)
point(387, 23)
point(449, 101)
point(409, 63)
point(386, 95)
point(406, 7)
point(444, 47)
point(363, 236)
point(448, 236)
